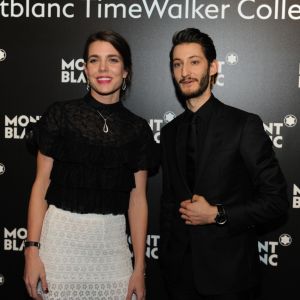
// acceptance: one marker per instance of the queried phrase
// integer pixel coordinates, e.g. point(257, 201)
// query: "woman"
point(91, 170)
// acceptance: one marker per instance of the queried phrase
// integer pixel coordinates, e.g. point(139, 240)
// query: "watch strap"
point(32, 244)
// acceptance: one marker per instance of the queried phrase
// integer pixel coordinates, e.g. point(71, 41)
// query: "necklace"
point(105, 127)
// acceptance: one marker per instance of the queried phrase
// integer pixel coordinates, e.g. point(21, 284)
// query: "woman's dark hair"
point(194, 35)
point(119, 43)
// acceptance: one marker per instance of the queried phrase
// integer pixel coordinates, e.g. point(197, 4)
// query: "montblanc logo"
point(151, 245)
point(231, 59)
point(14, 239)
point(274, 129)
point(2, 169)
point(169, 116)
point(15, 127)
point(156, 124)
point(72, 70)
point(296, 196)
point(290, 121)
point(2, 55)
point(268, 250)
point(285, 240)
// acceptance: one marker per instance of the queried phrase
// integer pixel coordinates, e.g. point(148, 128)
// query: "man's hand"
point(198, 211)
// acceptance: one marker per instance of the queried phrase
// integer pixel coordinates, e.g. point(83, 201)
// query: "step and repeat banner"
point(258, 48)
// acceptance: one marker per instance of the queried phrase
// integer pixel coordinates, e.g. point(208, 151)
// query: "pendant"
point(105, 127)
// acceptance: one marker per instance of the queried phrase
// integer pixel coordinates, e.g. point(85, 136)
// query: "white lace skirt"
point(86, 256)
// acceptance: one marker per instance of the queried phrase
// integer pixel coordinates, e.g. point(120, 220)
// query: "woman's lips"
point(104, 79)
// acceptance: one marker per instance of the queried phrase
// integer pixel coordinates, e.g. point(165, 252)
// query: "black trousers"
point(185, 289)
point(180, 293)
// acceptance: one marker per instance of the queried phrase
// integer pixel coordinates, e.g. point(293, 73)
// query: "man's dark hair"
point(194, 35)
point(119, 43)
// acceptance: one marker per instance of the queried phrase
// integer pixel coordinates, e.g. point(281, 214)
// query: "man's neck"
point(193, 104)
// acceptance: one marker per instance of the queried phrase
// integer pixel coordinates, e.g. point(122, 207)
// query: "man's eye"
point(195, 62)
point(176, 65)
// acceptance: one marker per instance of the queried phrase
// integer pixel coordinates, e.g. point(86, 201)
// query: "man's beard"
point(204, 82)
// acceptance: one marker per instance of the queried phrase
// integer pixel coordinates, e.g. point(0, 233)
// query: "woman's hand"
point(136, 286)
point(34, 271)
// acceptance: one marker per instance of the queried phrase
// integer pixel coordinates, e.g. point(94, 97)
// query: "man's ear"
point(213, 68)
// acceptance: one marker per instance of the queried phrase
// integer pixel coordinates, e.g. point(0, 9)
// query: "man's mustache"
point(186, 79)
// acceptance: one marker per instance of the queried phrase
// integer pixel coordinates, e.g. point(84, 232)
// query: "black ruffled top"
point(93, 171)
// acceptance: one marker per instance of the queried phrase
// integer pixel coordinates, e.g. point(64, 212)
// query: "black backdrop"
point(258, 49)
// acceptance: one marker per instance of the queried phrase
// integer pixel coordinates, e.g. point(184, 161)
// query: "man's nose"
point(184, 70)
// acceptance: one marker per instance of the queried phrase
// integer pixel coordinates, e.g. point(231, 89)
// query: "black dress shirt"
point(195, 139)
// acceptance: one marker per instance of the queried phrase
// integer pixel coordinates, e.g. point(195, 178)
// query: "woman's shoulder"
point(61, 106)
point(135, 119)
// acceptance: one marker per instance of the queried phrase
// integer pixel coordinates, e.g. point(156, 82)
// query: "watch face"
point(221, 219)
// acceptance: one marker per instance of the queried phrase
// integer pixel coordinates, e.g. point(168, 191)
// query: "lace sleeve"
point(146, 154)
point(48, 130)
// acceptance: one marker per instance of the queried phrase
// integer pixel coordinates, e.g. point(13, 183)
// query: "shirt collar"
point(91, 101)
point(203, 112)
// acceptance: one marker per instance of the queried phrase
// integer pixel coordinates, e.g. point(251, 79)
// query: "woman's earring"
point(124, 84)
point(88, 85)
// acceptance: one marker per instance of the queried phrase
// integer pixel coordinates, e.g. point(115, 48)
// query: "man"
point(220, 180)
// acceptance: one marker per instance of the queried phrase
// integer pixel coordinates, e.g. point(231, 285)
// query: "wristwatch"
point(221, 217)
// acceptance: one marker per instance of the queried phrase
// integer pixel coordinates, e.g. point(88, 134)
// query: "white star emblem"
point(1, 279)
point(2, 55)
point(290, 121)
point(2, 169)
point(285, 239)
point(169, 116)
point(232, 58)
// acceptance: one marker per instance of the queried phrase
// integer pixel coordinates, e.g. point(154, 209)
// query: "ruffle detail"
point(138, 155)
point(31, 138)
point(46, 142)
point(68, 175)
point(87, 200)
point(145, 155)
point(72, 151)
point(146, 159)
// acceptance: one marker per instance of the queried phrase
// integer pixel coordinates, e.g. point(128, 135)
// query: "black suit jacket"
point(238, 169)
